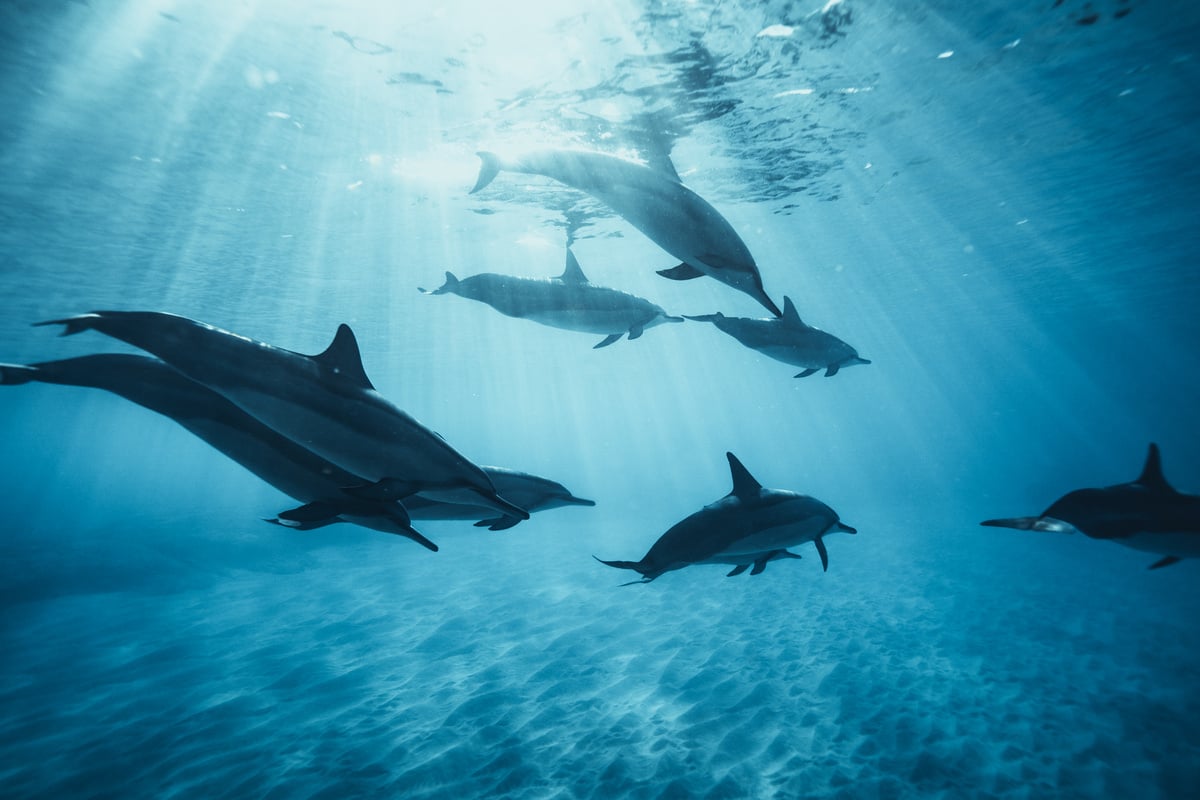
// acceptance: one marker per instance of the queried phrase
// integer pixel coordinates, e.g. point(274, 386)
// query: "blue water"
point(994, 202)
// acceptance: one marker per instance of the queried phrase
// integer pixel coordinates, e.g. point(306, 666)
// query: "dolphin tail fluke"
point(1165, 562)
point(73, 325)
point(497, 523)
point(610, 339)
point(488, 170)
point(14, 374)
point(451, 285)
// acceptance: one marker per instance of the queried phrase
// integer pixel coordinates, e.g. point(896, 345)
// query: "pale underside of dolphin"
point(290, 468)
point(324, 403)
point(569, 302)
point(749, 526)
point(655, 202)
point(531, 492)
point(790, 340)
point(1146, 514)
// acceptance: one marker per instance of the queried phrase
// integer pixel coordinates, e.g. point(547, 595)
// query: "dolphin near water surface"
point(324, 403)
point(1146, 514)
point(655, 202)
point(290, 468)
point(569, 302)
point(749, 526)
point(789, 340)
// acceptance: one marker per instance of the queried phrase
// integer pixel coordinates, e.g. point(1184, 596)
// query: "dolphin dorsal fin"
point(744, 484)
point(573, 273)
point(790, 314)
point(1152, 474)
point(342, 356)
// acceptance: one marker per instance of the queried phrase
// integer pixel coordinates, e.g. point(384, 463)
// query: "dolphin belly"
point(1184, 544)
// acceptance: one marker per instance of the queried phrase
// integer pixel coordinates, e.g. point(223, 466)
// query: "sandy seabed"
point(512, 665)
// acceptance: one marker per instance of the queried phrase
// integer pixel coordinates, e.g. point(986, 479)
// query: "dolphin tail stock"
point(488, 170)
point(451, 285)
point(15, 374)
point(73, 325)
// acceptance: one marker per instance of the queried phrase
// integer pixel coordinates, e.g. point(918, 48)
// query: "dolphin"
point(530, 492)
point(749, 526)
point(789, 340)
point(323, 402)
point(1147, 514)
point(569, 302)
point(655, 202)
point(290, 468)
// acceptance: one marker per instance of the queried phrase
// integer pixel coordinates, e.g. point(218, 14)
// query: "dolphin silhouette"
point(530, 492)
point(568, 301)
point(655, 202)
point(290, 468)
point(324, 402)
point(789, 340)
point(1146, 514)
point(749, 526)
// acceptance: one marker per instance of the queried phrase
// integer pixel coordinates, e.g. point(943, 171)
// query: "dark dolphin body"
point(655, 202)
point(530, 492)
point(569, 302)
point(749, 526)
point(1146, 514)
point(279, 461)
point(324, 403)
point(789, 340)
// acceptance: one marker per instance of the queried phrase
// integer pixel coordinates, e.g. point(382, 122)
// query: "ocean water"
point(994, 202)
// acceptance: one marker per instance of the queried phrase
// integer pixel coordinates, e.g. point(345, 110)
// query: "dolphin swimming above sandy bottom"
point(324, 403)
point(655, 202)
point(749, 526)
point(789, 340)
point(569, 302)
point(531, 492)
point(1146, 514)
point(290, 468)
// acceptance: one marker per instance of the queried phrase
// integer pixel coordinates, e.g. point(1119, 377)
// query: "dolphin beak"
point(856, 360)
point(845, 528)
point(1031, 524)
point(578, 501)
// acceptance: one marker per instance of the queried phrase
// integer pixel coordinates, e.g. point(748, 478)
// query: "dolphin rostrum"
point(324, 402)
point(655, 202)
point(749, 526)
point(530, 492)
point(1147, 514)
point(290, 468)
point(568, 301)
point(789, 340)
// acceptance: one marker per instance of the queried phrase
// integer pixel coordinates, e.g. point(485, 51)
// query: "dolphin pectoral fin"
point(832, 370)
point(1165, 562)
point(806, 373)
point(636, 331)
point(412, 533)
point(823, 553)
point(683, 272)
point(73, 325)
point(738, 570)
point(760, 565)
point(497, 523)
point(488, 170)
point(14, 374)
point(612, 337)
